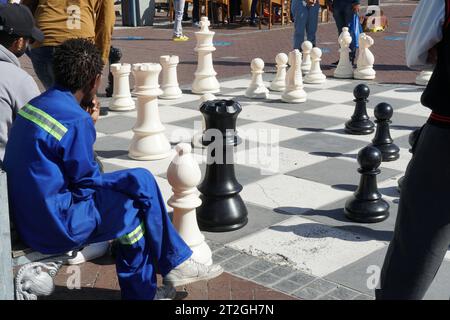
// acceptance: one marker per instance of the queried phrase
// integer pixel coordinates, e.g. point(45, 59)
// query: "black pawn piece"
point(222, 208)
point(412, 138)
point(115, 54)
point(366, 204)
point(360, 122)
point(382, 140)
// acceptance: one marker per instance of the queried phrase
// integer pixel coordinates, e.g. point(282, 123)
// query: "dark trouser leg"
point(422, 230)
point(195, 13)
point(311, 25)
point(300, 19)
point(42, 60)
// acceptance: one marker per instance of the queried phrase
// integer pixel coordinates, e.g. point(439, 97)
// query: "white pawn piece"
point(184, 175)
point(257, 89)
point(344, 69)
point(279, 82)
point(424, 77)
point(169, 85)
point(197, 138)
point(121, 98)
point(149, 141)
point(364, 64)
point(306, 62)
point(205, 76)
point(294, 92)
point(315, 75)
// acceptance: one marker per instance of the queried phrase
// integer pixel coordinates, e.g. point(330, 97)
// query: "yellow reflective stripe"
point(43, 120)
point(48, 117)
point(133, 236)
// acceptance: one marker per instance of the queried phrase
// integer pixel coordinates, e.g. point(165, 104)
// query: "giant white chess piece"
point(424, 77)
point(121, 98)
point(257, 89)
point(315, 75)
point(306, 61)
point(184, 175)
point(279, 82)
point(364, 64)
point(205, 76)
point(197, 137)
point(294, 92)
point(169, 84)
point(149, 141)
point(344, 69)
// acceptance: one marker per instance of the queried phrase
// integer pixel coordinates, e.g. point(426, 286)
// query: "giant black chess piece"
point(360, 122)
point(115, 54)
point(222, 208)
point(366, 204)
point(382, 140)
point(412, 138)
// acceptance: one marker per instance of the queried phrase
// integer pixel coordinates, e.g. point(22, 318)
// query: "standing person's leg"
point(253, 13)
point(195, 12)
point(177, 26)
point(339, 18)
point(300, 12)
point(312, 22)
point(348, 17)
point(42, 60)
point(422, 230)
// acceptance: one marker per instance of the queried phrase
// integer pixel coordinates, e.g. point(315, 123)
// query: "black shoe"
point(253, 23)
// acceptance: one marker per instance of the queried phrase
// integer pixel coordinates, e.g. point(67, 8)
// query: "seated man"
point(60, 201)
point(17, 87)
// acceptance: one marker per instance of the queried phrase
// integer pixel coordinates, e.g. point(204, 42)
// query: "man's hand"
point(356, 7)
point(93, 108)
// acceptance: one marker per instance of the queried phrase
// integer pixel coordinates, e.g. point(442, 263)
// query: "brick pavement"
point(99, 280)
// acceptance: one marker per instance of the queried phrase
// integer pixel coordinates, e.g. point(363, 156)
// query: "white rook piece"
point(169, 85)
point(294, 92)
point(423, 77)
point(184, 175)
point(279, 82)
point(306, 62)
point(344, 69)
point(149, 141)
point(257, 89)
point(121, 99)
point(205, 76)
point(197, 138)
point(315, 75)
point(364, 65)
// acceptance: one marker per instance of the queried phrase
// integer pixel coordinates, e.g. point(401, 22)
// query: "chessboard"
point(297, 173)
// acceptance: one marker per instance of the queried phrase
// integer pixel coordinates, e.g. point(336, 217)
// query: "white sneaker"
point(90, 252)
point(165, 293)
point(191, 271)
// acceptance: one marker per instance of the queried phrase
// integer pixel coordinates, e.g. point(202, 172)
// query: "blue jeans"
point(304, 18)
point(42, 59)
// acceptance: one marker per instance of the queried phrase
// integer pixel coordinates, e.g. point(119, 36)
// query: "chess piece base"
point(369, 74)
point(152, 147)
point(257, 94)
point(389, 152)
point(201, 253)
point(171, 94)
point(360, 127)
point(122, 104)
point(219, 214)
point(315, 79)
point(297, 96)
point(277, 87)
point(208, 84)
point(366, 211)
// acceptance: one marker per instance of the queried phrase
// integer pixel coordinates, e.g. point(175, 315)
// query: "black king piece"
point(222, 207)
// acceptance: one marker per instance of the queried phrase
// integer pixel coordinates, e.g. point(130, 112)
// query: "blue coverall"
point(60, 201)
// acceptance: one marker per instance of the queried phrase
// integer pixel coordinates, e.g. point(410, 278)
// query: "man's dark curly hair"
point(76, 62)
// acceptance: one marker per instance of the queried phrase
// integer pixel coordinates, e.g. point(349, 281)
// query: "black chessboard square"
point(339, 173)
point(111, 147)
point(115, 124)
point(305, 121)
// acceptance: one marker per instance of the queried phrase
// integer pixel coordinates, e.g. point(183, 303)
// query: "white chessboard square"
point(343, 111)
point(186, 97)
point(329, 84)
point(259, 112)
point(236, 84)
point(308, 246)
point(416, 109)
point(287, 191)
point(331, 96)
point(402, 93)
point(254, 131)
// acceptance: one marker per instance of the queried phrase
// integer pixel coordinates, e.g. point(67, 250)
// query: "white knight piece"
point(364, 65)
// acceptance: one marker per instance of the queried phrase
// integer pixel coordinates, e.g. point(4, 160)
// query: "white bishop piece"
point(364, 65)
point(149, 141)
point(294, 92)
point(121, 98)
point(257, 89)
point(184, 175)
point(205, 76)
point(344, 69)
point(169, 85)
point(315, 75)
point(279, 82)
point(306, 61)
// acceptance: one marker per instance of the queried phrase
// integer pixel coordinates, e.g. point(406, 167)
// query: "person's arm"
point(27, 89)
point(104, 25)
